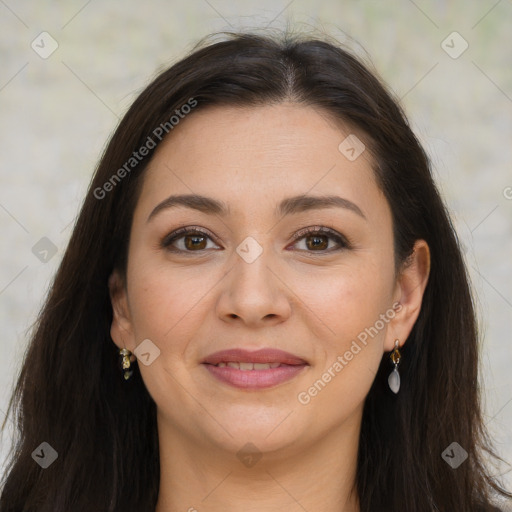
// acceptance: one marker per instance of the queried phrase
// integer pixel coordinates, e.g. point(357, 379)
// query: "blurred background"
point(70, 69)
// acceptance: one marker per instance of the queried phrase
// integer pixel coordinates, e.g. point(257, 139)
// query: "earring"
point(394, 376)
point(125, 362)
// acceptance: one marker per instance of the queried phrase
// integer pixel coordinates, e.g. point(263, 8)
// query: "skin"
point(310, 301)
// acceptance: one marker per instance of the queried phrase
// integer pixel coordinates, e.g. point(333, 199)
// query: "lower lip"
point(254, 379)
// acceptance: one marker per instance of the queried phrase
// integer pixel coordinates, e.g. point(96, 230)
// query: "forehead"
point(284, 127)
point(252, 156)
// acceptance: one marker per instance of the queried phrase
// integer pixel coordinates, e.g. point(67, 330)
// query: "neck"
point(197, 476)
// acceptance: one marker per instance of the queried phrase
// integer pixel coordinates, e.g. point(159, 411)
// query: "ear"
point(409, 289)
point(121, 329)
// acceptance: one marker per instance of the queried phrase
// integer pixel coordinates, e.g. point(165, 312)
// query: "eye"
point(190, 240)
point(317, 239)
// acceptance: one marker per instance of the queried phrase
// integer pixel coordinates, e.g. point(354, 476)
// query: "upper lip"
point(264, 355)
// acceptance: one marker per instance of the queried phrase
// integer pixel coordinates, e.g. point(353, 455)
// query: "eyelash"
point(303, 233)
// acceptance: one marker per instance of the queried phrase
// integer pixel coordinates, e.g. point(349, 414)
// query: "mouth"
point(254, 370)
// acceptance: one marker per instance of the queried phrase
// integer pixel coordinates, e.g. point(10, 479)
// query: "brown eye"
point(194, 241)
point(186, 240)
point(317, 239)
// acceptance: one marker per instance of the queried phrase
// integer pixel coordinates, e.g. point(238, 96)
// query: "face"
point(253, 277)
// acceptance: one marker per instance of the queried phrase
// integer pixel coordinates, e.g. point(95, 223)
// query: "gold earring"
point(126, 363)
point(394, 376)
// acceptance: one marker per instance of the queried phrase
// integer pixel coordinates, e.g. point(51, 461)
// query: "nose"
point(254, 293)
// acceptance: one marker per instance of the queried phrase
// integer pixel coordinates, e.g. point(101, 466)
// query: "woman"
point(265, 255)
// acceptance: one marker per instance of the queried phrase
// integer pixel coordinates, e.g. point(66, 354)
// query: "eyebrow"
point(288, 206)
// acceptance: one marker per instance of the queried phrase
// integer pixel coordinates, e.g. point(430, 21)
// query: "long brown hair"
point(70, 392)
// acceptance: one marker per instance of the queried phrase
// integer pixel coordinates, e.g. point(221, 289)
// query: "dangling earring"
point(125, 362)
point(394, 376)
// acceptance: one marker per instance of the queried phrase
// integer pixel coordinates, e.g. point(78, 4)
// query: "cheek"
point(353, 348)
point(165, 301)
point(351, 299)
point(156, 297)
point(356, 308)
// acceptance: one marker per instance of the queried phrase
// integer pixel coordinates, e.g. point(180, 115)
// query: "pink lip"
point(265, 355)
point(254, 379)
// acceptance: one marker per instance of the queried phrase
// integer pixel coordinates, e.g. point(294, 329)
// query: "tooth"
point(261, 366)
point(248, 366)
